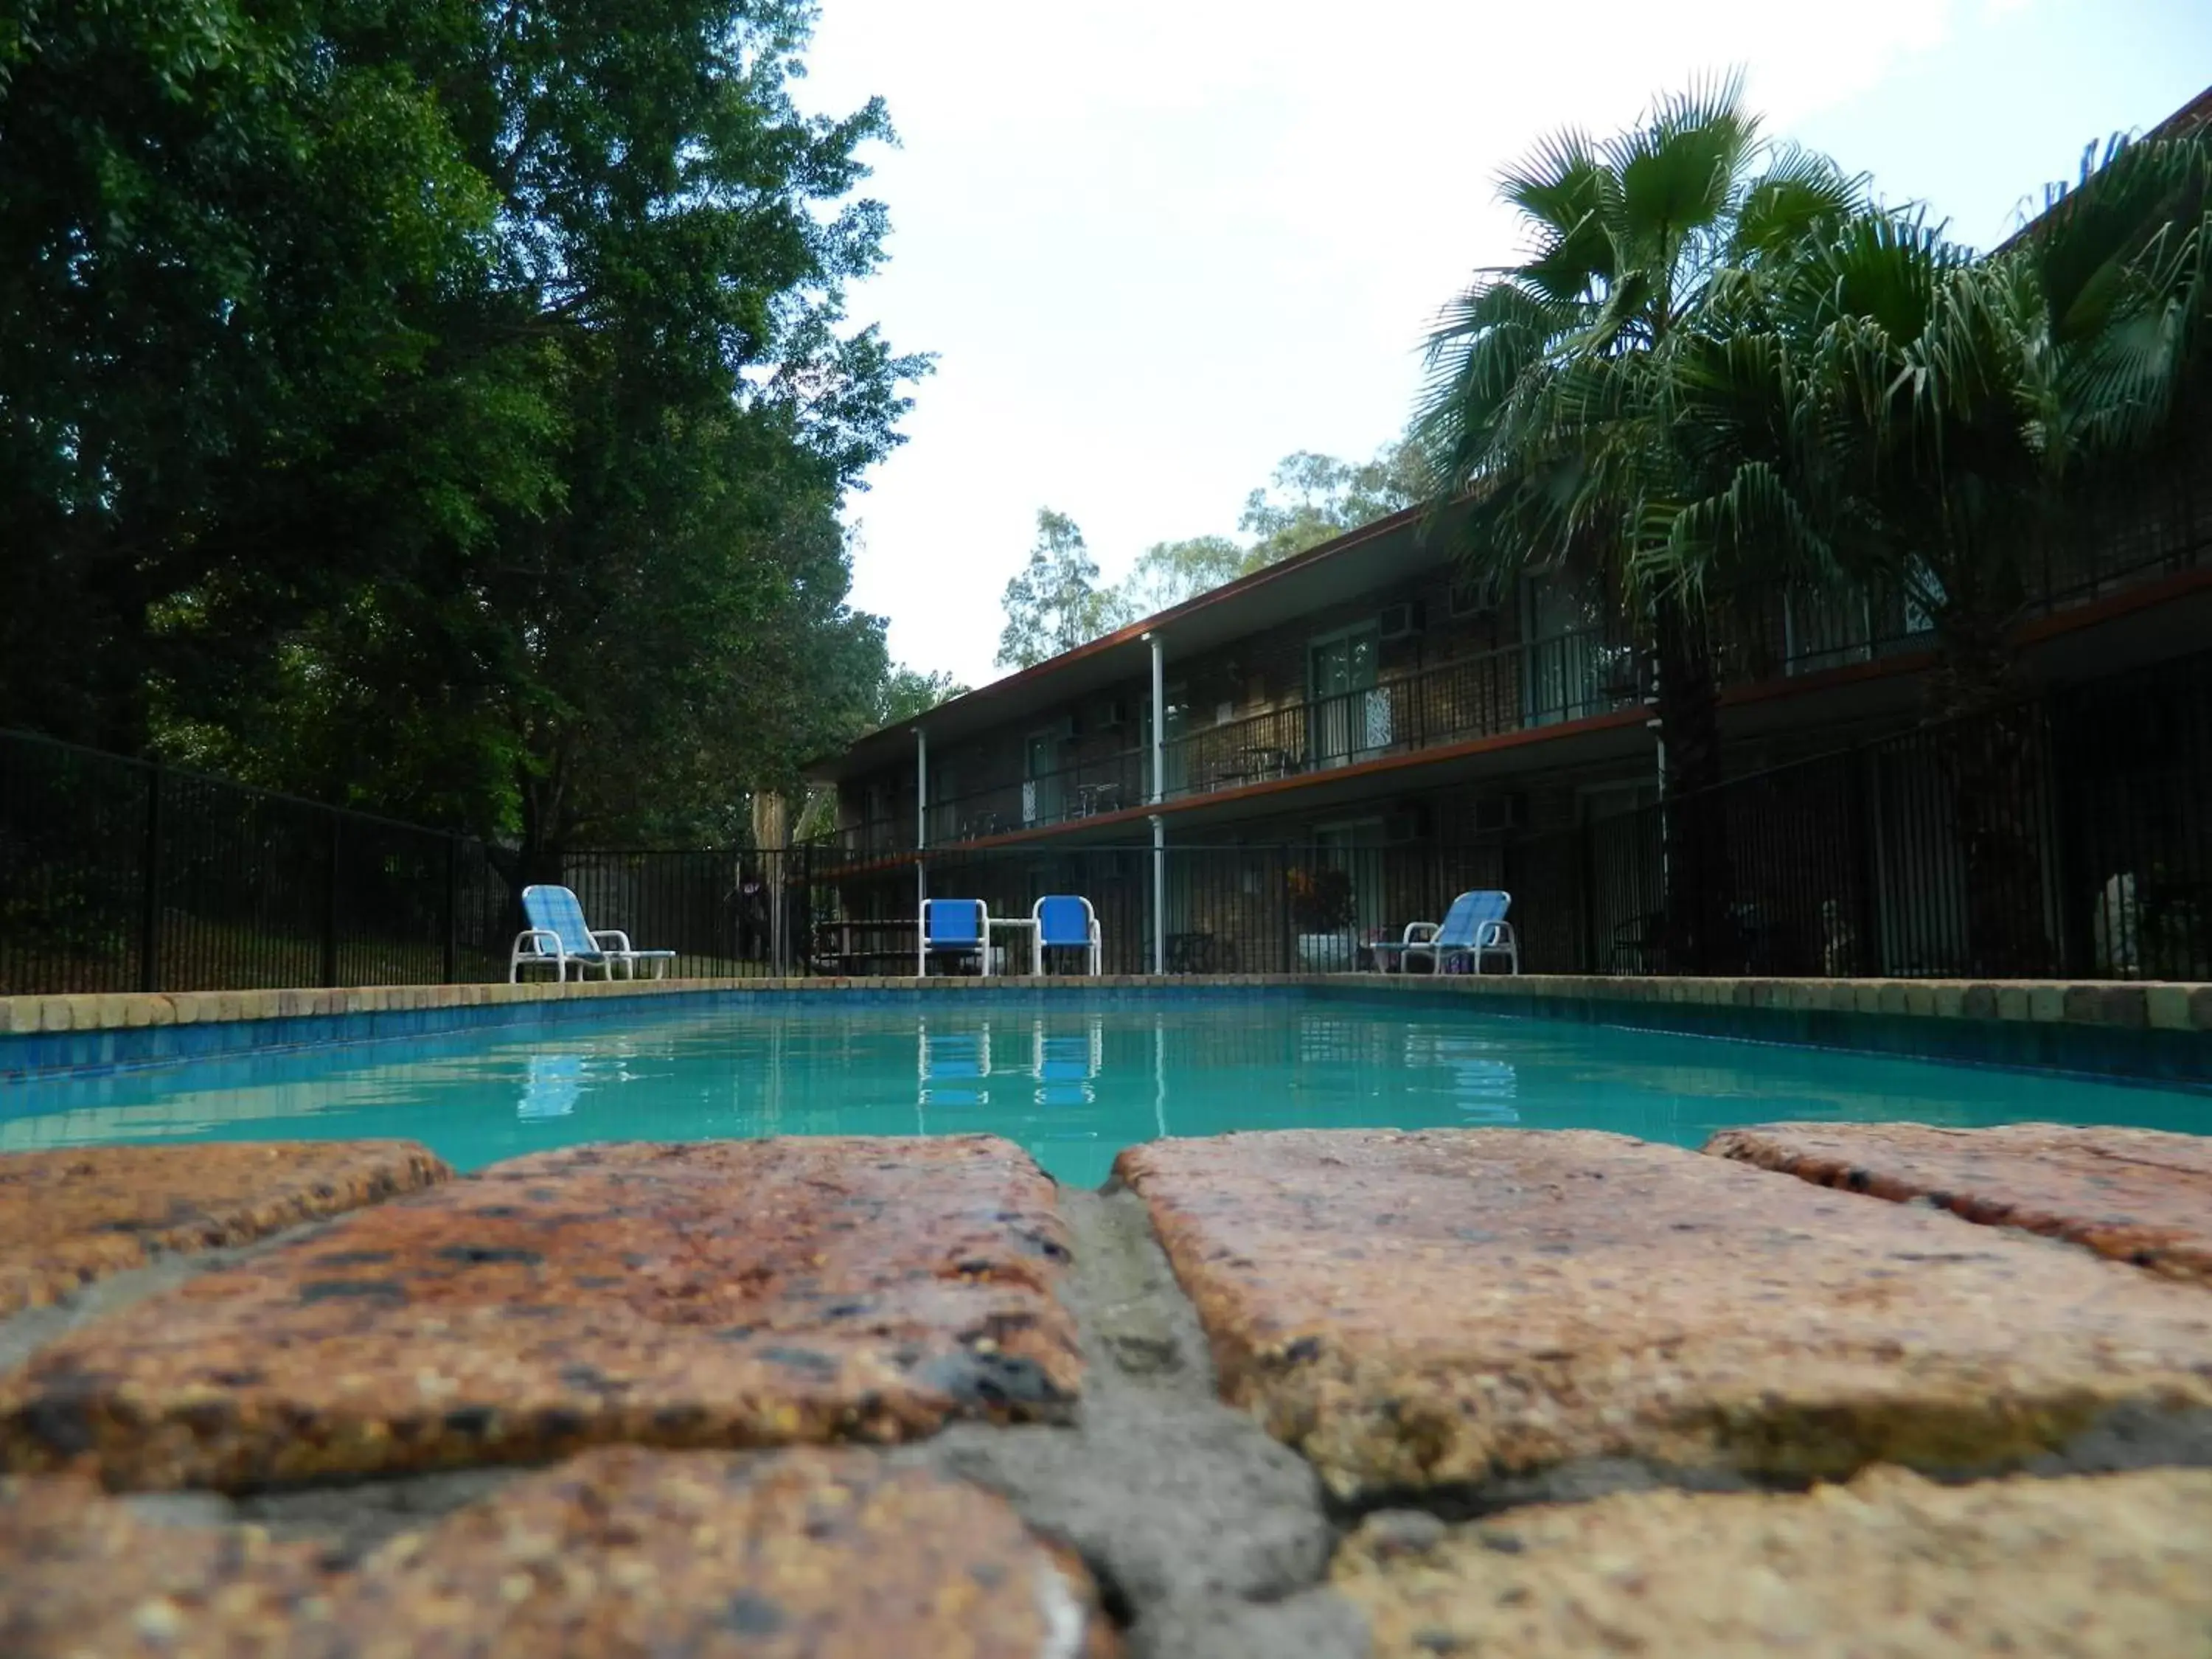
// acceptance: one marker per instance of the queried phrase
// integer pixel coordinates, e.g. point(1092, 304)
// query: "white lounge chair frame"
point(1095, 956)
point(1492, 936)
point(982, 947)
point(540, 946)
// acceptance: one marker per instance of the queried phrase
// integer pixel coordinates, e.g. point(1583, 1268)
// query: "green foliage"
point(1542, 394)
point(440, 406)
point(1055, 603)
point(1311, 499)
point(906, 693)
point(1167, 573)
point(1887, 407)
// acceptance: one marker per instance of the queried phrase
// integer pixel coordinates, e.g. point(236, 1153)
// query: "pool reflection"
point(1039, 1063)
point(551, 1083)
point(1072, 1085)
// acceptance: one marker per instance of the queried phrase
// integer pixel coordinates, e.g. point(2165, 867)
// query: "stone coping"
point(2172, 1006)
point(2099, 1567)
point(75, 1214)
point(114, 1011)
point(569, 1405)
point(732, 1293)
point(828, 1554)
point(1459, 1308)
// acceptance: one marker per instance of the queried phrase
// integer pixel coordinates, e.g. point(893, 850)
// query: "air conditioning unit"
point(1494, 814)
point(1402, 622)
point(1115, 714)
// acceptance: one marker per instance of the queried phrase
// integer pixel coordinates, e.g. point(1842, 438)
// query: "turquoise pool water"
point(1072, 1085)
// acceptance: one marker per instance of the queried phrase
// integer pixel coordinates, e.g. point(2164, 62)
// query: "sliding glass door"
point(1349, 717)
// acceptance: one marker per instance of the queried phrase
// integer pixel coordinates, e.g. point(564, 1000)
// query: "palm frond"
point(1801, 192)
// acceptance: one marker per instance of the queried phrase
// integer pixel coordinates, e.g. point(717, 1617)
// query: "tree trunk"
point(1989, 748)
point(1701, 932)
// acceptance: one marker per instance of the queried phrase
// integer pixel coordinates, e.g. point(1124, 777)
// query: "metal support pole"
point(920, 817)
point(1159, 795)
point(1159, 896)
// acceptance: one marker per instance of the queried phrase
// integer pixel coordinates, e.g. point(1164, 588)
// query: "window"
point(1470, 596)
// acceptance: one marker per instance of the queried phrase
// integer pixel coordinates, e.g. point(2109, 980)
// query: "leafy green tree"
point(907, 693)
point(1542, 405)
point(1167, 573)
point(1055, 603)
point(234, 254)
point(443, 407)
point(1311, 499)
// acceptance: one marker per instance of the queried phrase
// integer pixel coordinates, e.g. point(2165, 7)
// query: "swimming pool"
point(1072, 1080)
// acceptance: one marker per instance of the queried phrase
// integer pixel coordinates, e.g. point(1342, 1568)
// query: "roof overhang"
point(1397, 549)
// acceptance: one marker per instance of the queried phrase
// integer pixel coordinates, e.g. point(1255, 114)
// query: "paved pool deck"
point(1521, 1394)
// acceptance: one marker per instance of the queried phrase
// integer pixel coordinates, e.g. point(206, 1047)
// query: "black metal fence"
point(2070, 835)
point(119, 875)
point(2067, 836)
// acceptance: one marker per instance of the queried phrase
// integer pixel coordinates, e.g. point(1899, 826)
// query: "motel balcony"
point(1549, 682)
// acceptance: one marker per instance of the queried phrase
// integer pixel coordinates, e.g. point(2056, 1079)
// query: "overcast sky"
point(1157, 244)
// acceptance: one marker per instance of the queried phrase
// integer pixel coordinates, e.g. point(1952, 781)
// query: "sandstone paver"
point(730, 1293)
point(2143, 1196)
point(82, 1576)
point(1888, 1567)
point(827, 1554)
point(69, 1216)
point(1454, 1306)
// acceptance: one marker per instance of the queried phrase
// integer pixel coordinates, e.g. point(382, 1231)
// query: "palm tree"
point(1543, 403)
point(1882, 403)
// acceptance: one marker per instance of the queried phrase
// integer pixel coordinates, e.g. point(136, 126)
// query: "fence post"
point(451, 971)
point(1592, 949)
point(149, 921)
point(1864, 958)
point(2053, 884)
point(329, 974)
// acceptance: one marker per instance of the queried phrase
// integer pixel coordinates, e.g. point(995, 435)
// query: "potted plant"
point(1321, 916)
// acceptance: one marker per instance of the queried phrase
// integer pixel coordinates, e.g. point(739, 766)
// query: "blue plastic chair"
point(1066, 922)
point(557, 935)
point(1474, 927)
point(954, 928)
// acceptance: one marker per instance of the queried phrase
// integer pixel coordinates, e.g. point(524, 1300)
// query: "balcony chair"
point(1474, 927)
point(556, 935)
point(1066, 922)
point(959, 928)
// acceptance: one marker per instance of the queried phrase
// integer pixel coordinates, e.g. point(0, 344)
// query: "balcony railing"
point(870, 838)
point(1088, 788)
point(1567, 678)
point(1563, 678)
point(1549, 682)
